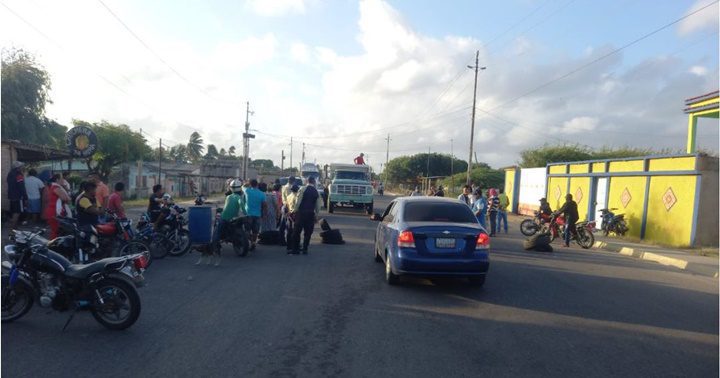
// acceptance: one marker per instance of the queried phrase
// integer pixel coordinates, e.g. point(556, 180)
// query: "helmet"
point(167, 197)
point(236, 185)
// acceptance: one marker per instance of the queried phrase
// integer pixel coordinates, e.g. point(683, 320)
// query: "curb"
point(701, 269)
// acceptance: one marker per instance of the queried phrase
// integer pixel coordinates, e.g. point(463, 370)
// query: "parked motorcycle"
point(530, 227)
point(612, 222)
point(583, 236)
point(116, 238)
point(233, 233)
point(173, 226)
point(106, 288)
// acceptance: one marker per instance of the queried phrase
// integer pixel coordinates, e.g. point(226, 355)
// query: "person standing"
point(115, 203)
point(16, 192)
point(465, 196)
point(306, 208)
point(479, 208)
point(33, 189)
point(493, 206)
point(290, 216)
point(255, 206)
point(502, 210)
point(154, 203)
point(570, 210)
point(284, 221)
point(269, 217)
point(58, 198)
point(102, 192)
point(65, 183)
point(360, 160)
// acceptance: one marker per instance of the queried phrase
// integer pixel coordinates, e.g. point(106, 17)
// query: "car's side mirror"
point(376, 217)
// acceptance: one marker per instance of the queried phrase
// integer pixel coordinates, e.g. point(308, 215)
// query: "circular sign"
point(81, 141)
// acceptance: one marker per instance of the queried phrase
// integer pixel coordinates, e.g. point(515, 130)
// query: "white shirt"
point(33, 187)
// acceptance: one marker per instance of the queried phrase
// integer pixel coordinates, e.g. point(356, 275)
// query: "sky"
point(339, 76)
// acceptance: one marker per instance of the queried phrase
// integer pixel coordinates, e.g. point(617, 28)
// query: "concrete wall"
point(671, 200)
point(532, 188)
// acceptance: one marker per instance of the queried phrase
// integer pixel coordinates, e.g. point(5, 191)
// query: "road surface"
point(568, 313)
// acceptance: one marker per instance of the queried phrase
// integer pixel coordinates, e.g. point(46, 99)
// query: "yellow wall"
point(510, 186)
point(634, 210)
point(579, 168)
point(598, 167)
point(558, 168)
point(626, 166)
point(554, 200)
point(673, 164)
point(672, 226)
point(583, 184)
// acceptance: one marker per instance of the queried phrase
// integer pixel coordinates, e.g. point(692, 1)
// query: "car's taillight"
point(406, 240)
point(483, 241)
point(140, 262)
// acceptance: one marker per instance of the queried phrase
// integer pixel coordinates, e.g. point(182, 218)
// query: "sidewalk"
point(681, 259)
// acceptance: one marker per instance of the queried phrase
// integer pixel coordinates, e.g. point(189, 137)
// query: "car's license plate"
point(444, 243)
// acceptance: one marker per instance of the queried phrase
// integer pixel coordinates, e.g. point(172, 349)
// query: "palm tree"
point(231, 151)
point(212, 152)
point(195, 146)
point(223, 152)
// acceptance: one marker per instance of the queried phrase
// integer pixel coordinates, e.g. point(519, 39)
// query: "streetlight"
point(472, 123)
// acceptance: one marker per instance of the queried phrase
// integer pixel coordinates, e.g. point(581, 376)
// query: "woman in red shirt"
point(55, 193)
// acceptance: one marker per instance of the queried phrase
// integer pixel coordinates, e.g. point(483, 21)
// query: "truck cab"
point(308, 170)
point(350, 186)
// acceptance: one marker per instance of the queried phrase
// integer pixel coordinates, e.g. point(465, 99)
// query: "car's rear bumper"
point(412, 264)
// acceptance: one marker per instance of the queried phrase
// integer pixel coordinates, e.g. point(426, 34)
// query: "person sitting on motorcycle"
point(570, 210)
point(165, 210)
point(233, 206)
point(545, 207)
point(88, 211)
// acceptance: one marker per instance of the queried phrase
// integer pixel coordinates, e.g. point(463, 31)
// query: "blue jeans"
point(502, 217)
point(481, 219)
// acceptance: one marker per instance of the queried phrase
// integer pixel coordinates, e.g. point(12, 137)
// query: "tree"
point(541, 156)
point(178, 154)
point(195, 147)
point(117, 144)
point(25, 87)
point(262, 163)
point(212, 152)
point(223, 152)
point(231, 151)
point(407, 169)
point(481, 176)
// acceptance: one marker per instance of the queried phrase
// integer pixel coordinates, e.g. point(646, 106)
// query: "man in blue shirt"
point(254, 208)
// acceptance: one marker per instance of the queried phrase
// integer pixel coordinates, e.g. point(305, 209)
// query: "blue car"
point(431, 237)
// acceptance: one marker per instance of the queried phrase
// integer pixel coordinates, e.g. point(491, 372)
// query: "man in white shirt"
point(465, 196)
point(33, 188)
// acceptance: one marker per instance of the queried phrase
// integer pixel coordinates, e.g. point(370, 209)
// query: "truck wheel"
point(331, 207)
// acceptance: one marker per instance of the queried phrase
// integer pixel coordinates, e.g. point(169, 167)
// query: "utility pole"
point(387, 158)
point(291, 154)
point(282, 161)
point(246, 140)
point(428, 167)
point(472, 122)
point(452, 160)
point(160, 163)
point(302, 161)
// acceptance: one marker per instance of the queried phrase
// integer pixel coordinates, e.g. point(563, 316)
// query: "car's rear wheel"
point(390, 277)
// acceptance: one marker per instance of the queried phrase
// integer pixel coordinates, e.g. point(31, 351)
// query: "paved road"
point(569, 313)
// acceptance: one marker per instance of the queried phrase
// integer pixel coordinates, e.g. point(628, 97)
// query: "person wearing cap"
point(570, 210)
point(16, 192)
point(306, 209)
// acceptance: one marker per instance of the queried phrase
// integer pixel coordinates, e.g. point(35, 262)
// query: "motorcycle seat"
point(81, 271)
point(620, 216)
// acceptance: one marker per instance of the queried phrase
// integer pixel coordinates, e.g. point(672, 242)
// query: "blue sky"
point(340, 75)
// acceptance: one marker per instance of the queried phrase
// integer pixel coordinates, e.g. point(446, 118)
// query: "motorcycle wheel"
point(181, 240)
point(585, 239)
point(241, 244)
point(159, 246)
point(136, 246)
point(528, 227)
point(21, 294)
point(121, 304)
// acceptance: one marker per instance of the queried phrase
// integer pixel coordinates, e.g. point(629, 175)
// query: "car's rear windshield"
point(438, 212)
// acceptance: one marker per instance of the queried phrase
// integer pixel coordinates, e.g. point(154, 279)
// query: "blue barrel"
point(200, 224)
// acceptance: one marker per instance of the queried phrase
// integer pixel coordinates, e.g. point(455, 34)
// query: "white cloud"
point(276, 7)
point(299, 52)
point(698, 70)
point(579, 125)
point(705, 19)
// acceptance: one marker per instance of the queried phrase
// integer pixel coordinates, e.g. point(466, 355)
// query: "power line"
point(548, 83)
point(160, 58)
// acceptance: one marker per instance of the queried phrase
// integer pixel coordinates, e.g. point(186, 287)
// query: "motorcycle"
point(583, 235)
point(173, 227)
point(612, 223)
point(530, 227)
point(199, 199)
point(106, 288)
point(234, 233)
point(116, 238)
